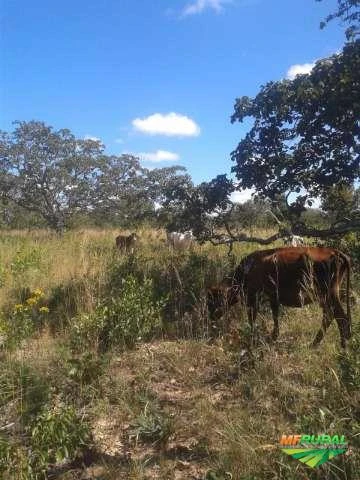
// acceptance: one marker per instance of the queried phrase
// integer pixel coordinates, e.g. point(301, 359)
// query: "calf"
point(293, 277)
point(126, 243)
point(180, 240)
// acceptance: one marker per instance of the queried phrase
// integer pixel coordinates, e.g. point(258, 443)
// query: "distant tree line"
point(50, 178)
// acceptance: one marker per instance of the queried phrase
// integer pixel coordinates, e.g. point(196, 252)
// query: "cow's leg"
point(326, 321)
point(341, 319)
point(274, 304)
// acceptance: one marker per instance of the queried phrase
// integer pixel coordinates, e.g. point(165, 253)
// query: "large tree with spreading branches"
point(57, 177)
point(303, 146)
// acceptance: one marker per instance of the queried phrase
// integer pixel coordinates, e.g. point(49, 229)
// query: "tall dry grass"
point(178, 406)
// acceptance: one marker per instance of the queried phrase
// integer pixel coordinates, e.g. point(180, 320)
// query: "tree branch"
point(298, 229)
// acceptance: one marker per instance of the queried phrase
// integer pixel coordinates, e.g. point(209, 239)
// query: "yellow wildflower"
point(31, 301)
point(38, 293)
point(44, 310)
point(18, 307)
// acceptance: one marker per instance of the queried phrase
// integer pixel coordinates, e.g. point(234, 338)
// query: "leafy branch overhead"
point(349, 12)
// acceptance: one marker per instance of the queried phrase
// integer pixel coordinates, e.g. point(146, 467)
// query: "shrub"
point(57, 435)
point(132, 316)
point(86, 331)
point(14, 462)
point(122, 320)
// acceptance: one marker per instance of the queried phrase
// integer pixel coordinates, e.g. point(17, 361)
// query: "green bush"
point(181, 278)
point(14, 462)
point(132, 316)
point(86, 331)
point(121, 320)
point(56, 435)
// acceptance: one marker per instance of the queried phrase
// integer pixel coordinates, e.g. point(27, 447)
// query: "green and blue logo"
point(313, 450)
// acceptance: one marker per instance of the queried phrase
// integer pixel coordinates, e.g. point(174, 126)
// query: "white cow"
point(180, 240)
point(294, 241)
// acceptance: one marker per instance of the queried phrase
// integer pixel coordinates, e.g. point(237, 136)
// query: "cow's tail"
point(348, 309)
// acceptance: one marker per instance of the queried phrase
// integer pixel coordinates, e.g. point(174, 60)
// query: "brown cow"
point(290, 276)
point(126, 243)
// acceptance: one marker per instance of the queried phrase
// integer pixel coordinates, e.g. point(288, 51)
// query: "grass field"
point(107, 370)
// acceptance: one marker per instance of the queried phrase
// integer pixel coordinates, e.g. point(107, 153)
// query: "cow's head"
point(219, 299)
point(133, 237)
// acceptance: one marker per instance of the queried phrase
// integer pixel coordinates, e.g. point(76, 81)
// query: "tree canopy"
point(56, 176)
point(306, 131)
point(305, 137)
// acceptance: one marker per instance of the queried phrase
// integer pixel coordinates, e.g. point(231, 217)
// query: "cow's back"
point(294, 275)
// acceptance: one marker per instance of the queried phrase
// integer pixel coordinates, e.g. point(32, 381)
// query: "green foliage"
point(340, 201)
point(85, 369)
point(151, 426)
point(128, 315)
point(48, 172)
point(288, 147)
point(57, 178)
point(23, 320)
point(179, 281)
point(132, 316)
point(14, 463)
point(191, 208)
point(86, 331)
point(2, 275)
point(68, 299)
point(57, 435)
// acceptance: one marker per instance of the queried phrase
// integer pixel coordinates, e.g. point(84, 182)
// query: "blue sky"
point(117, 69)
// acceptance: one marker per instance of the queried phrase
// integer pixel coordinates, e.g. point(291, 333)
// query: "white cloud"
point(241, 196)
point(91, 137)
point(299, 69)
point(198, 6)
point(159, 156)
point(170, 124)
